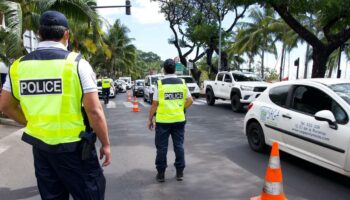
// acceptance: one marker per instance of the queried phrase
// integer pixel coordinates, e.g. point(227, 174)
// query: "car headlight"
point(247, 88)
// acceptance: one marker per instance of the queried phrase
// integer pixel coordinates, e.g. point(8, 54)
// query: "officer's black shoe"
point(179, 175)
point(160, 177)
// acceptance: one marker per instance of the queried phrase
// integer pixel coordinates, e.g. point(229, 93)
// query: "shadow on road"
point(22, 193)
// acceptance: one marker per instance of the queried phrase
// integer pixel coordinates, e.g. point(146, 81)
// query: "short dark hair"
point(169, 66)
point(52, 33)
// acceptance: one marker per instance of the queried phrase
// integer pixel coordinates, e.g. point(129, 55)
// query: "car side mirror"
point(326, 115)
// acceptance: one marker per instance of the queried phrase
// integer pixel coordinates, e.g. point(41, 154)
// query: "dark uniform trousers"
point(61, 174)
point(177, 132)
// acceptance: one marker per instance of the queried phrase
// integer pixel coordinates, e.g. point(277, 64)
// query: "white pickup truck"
point(240, 88)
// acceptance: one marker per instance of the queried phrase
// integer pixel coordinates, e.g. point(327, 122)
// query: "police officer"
point(50, 85)
point(106, 86)
point(170, 100)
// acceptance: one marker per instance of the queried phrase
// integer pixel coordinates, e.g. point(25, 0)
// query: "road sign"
point(179, 68)
point(189, 65)
point(30, 41)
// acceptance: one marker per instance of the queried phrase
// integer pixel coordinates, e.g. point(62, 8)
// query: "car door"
point(217, 85)
point(313, 139)
point(226, 86)
point(147, 87)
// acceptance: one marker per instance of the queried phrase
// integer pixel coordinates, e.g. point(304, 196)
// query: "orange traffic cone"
point(273, 187)
point(135, 107)
point(129, 96)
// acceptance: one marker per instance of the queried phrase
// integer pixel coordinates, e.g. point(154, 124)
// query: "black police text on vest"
point(41, 86)
point(173, 95)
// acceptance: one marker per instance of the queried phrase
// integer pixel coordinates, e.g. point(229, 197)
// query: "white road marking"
point(10, 139)
point(146, 105)
point(111, 104)
point(128, 104)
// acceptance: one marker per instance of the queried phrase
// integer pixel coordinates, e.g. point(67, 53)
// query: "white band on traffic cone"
point(274, 162)
point(273, 188)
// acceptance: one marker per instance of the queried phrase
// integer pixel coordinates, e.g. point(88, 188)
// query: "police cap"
point(53, 18)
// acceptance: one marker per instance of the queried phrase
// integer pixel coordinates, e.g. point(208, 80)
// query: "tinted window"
point(139, 83)
point(154, 80)
point(245, 77)
point(188, 79)
point(220, 77)
point(228, 78)
point(310, 100)
point(278, 95)
point(99, 84)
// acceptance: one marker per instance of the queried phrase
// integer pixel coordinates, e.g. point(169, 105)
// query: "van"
point(191, 85)
point(150, 85)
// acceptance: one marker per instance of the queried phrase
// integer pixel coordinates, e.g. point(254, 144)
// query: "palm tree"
point(21, 15)
point(256, 36)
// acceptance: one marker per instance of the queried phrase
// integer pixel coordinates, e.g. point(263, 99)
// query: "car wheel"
point(236, 103)
point(256, 137)
point(210, 98)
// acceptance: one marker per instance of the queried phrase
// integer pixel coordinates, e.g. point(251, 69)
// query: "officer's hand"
point(150, 125)
point(105, 151)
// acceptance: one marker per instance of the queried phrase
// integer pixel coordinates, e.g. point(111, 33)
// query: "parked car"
point(137, 89)
point(121, 85)
point(192, 85)
point(150, 84)
point(127, 80)
point(112, 91)
point(240, 88)
point(308, 118)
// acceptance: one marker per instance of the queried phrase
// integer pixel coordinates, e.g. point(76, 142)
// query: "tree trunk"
point(282, 61)
point(319, 57)
point(330, 69)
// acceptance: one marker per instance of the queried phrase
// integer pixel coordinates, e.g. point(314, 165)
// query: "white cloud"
point(147, 12)
point(142, 11)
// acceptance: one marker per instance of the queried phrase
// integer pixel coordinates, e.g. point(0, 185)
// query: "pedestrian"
point(45, 92)
point(170, 99)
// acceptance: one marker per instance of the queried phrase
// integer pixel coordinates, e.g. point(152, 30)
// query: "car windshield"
point(246, 77)
point(155, 79)
point(343, 90)
point(188, 79)
point(139, 83)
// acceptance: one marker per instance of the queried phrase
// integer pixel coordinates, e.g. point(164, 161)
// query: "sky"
point(151, 32)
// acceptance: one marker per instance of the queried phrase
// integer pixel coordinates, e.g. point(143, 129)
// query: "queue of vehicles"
point(309, 118)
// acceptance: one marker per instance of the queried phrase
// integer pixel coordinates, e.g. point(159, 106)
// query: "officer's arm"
point(188, 102)
point(153, 110)
point(96, 116)
point(10, 107)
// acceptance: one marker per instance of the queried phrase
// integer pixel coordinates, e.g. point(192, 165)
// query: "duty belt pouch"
point(88, 140)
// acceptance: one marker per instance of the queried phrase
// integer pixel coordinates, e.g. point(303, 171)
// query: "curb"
point(9, 122)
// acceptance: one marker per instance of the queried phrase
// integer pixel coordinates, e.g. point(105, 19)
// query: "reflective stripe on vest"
point(50, 94)
point(171, 98)
point(106, 83)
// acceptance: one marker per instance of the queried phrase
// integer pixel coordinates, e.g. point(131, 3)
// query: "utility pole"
point(219, 60)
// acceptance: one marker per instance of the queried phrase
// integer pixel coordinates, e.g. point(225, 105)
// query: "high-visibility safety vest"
point(106, 83)
point(50, 95)
point(171, 100)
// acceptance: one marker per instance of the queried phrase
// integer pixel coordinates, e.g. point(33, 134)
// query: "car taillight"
point(250, 106)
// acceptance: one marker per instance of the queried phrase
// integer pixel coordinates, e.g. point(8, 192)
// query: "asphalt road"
point(220, 164)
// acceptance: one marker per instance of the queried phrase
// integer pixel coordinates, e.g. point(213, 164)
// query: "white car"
point(112, 92)
point(150, 85)
point(308, 118)
point(192, 85)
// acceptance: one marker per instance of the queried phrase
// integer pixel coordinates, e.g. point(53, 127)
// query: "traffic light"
point(127, 7)
point(296, 62)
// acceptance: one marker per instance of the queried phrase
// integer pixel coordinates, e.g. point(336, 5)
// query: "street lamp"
point(127, 7)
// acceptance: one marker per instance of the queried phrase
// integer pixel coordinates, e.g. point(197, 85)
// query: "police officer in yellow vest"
point(106, 86)
point(170, 100)
point(50, 85)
